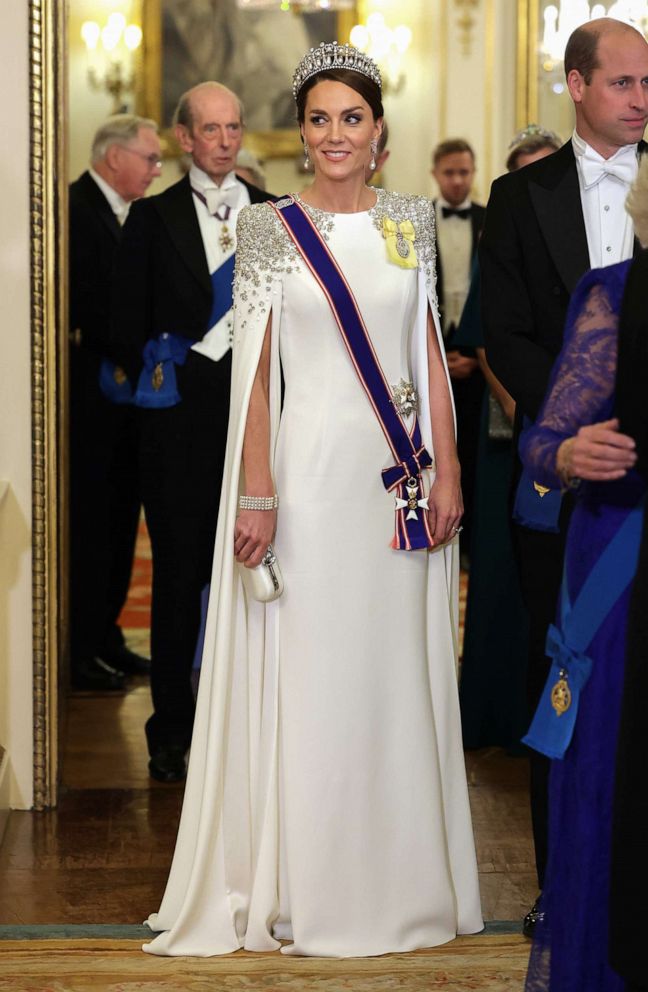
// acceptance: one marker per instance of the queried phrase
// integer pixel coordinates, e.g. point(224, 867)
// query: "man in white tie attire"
point(546, 225)
point(171, 330)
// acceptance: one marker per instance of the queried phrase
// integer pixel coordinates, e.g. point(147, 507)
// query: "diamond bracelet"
point(258, 502)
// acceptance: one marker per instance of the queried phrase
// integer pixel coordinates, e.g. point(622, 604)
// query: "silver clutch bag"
point(264, 582)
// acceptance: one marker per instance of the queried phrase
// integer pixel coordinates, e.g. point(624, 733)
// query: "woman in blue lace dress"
point(576, 442)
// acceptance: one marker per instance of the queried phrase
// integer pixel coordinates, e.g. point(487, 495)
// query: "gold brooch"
point(158, 377)
point(119, 375)
point(541, 490)
point(561, 696)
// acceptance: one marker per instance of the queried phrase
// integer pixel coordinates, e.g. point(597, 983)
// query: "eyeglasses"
point(152, 160)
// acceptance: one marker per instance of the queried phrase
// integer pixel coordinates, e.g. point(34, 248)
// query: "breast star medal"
point(561, 696)
point(404, 397)
point(412, 503)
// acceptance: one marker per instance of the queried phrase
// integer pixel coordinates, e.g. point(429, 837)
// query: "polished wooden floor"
point(104, 854)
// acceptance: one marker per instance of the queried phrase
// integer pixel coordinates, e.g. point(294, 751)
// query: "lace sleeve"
point(582, 381)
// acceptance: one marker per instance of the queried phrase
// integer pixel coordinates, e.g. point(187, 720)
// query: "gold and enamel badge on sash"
point(561, 696)
point(225, 239)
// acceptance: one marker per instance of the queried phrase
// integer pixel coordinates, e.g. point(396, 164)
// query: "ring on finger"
point(457, 530)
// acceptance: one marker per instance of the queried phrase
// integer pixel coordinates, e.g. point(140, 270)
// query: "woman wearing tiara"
point(326, 800)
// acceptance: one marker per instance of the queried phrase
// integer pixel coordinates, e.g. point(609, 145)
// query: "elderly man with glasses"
point(104, 491)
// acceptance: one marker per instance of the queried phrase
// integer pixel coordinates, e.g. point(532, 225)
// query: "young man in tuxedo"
point(458, 226)
point(546, 225)
point(104, 489)
point(173, 290)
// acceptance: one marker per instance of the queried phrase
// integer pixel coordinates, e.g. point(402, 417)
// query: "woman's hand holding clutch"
point(253, 532)
point(445, 506)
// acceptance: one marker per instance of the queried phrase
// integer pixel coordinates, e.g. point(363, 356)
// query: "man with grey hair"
point(104, 497)
point(172, 324)
point(546, 225)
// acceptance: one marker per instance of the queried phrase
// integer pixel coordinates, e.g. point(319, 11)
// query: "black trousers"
point(540, 562)
point(182, 454)
point(104, 509)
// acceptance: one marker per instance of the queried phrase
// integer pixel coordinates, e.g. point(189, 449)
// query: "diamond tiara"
point(331, 55)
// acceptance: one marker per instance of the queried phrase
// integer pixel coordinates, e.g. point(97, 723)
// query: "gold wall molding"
point(466, 23)
point(526, 103)
point(48, 206)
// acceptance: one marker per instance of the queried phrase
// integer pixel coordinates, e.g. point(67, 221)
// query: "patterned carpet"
point(484, 963)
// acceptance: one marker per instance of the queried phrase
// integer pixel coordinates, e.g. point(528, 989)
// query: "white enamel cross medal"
point(412, 503)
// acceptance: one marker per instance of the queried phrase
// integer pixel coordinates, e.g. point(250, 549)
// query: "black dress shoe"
point(168, 763)
point(126, 660)
point(98, 676)
point(532, 918)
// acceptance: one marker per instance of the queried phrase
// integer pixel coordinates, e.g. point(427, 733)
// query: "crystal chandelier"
point(299, 6)
point(562, 18)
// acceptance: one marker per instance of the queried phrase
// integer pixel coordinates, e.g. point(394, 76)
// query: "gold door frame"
point(48, 273)
point(526, 103)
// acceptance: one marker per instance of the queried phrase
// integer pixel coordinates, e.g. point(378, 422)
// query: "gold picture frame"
point(48, 265)
point(273, 143)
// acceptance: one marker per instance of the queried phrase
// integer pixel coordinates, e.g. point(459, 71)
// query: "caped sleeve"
point(264, 253)
point(582, 381)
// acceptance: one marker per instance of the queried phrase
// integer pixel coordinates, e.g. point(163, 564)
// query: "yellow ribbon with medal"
point(400, 242)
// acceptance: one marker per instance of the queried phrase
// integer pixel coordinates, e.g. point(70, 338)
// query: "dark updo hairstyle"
point(368, 90)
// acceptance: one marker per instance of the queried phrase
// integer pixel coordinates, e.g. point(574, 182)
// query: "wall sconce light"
point(387, 46)
point(111, 53)
point(561, 18)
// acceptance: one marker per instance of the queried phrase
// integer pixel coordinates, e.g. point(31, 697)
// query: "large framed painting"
point(252, 51)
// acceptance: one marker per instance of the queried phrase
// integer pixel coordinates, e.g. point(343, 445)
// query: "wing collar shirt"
point(118, 204)
point(233, 194)
point(604, 186)
point(454, 242)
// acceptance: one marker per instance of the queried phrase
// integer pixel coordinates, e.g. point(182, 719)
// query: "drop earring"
point(306, 157)
point(374, 151)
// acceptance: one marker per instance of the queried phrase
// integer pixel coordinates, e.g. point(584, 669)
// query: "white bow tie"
point(218, 197)
point(623, 168)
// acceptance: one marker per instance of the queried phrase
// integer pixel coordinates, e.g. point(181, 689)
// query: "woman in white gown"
point(326, 800)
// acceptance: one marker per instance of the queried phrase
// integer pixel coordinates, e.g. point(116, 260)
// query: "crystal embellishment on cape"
point(405, 398)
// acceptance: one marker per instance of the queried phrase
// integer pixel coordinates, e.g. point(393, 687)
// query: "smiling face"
point(613, 109)
point(338, 129)
point(216, 133)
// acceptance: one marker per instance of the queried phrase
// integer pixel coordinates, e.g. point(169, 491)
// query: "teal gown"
point(492, 689)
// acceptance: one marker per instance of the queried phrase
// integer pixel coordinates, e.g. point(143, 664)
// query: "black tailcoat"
point(162, 284)
point(104, 493)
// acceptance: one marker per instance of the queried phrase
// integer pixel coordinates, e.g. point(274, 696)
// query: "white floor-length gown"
point(327, 800)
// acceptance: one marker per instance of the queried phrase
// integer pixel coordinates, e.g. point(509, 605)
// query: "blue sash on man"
point(157, 386)
point(411, 458)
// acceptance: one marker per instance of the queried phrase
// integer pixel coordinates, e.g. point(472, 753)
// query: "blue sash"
point(157, 387)
point(553, 724)
point(410, 455)
point(113, 383)
point(536, 506)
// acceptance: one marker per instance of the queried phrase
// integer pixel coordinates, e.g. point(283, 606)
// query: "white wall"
point(15, 410)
